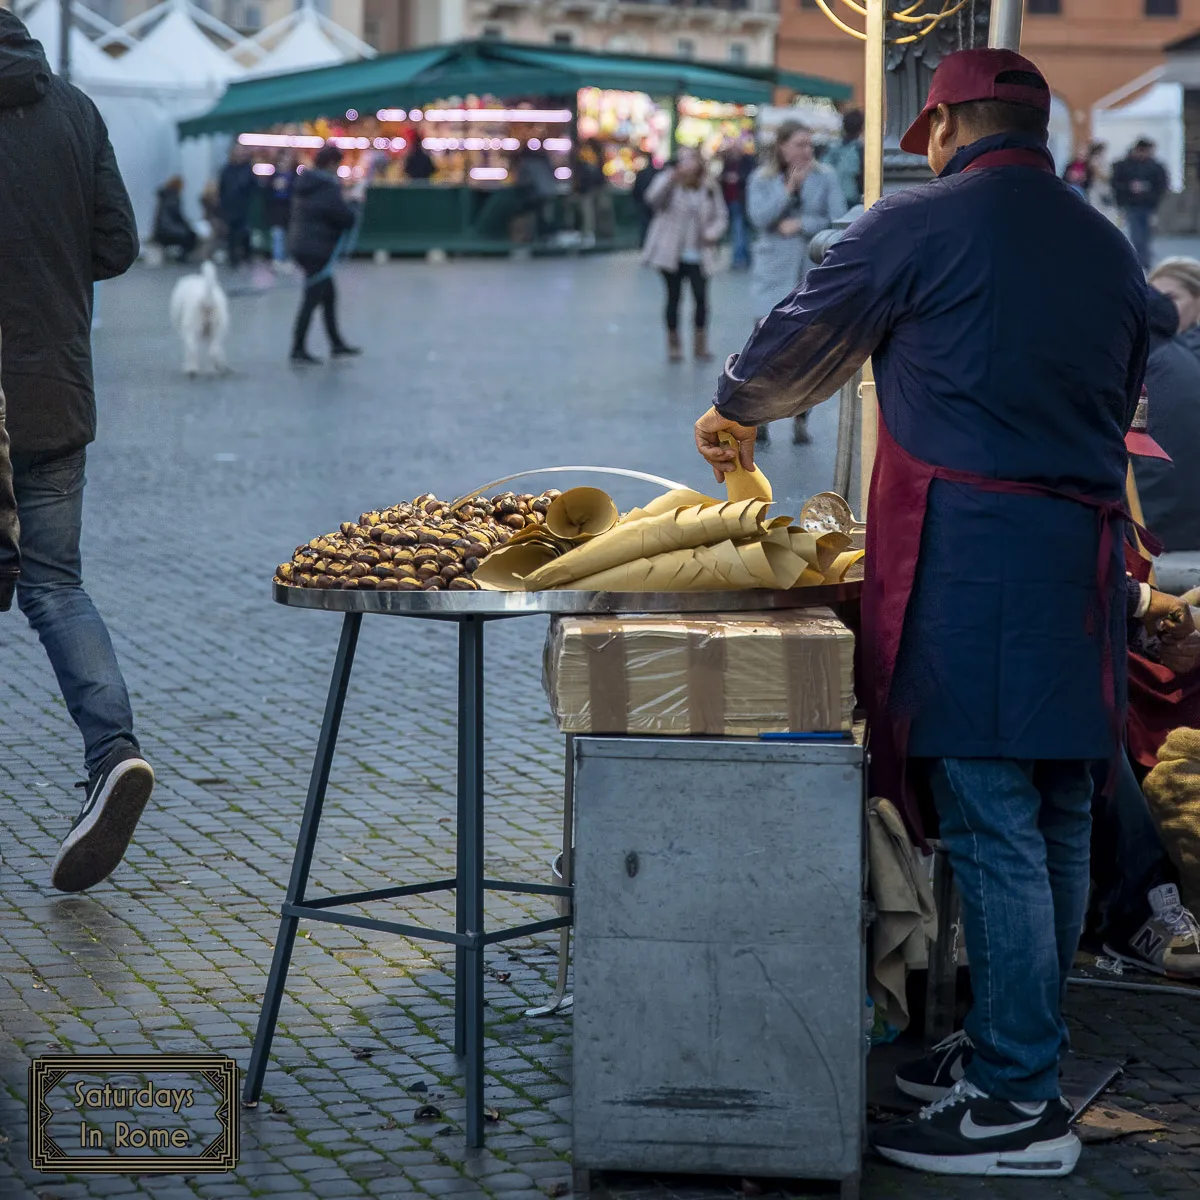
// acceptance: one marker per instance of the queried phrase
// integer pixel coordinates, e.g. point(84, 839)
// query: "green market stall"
point(474, 108)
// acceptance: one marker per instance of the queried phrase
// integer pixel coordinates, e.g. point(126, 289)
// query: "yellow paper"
point(581, 512)
point(742, 484)
point(505, 569)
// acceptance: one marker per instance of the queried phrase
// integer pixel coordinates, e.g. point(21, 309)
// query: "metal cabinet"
point(719, 968)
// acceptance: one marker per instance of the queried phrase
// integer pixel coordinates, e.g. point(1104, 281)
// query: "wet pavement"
point(197, 489)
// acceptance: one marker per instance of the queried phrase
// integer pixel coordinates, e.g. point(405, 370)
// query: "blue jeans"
point(739, 233)
point(1137, 226)
point(1018, 836)
point(49, 488)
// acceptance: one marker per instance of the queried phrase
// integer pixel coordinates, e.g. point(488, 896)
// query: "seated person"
point(171, 228)
point(1170, 491)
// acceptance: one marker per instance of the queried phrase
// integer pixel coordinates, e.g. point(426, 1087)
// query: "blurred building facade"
point(1088, 49)
point(738, 31)
point(246, 16)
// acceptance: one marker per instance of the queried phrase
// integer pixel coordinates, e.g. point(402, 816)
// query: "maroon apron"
point(898, 499)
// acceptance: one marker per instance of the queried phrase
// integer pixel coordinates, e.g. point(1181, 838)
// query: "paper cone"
point(651, 536)
point(742, 484)
point(505, 569)
point(669, 502)
point(581, 512)
point(829, 546)
point(843, 563)
point(804, 544)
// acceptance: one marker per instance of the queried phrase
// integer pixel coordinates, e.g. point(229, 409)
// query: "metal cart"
point(471, 611)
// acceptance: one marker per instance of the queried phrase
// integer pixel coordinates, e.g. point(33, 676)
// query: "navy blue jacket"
point(1007, 320)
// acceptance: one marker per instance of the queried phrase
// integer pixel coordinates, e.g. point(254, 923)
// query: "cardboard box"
point(729, 674)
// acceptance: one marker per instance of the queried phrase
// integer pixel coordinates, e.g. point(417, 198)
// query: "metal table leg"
point(942, 985)
point(302, 862)
point(560, 1000)
point(470, 880)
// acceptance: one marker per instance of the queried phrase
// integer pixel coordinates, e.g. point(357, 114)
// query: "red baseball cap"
point(973, 75)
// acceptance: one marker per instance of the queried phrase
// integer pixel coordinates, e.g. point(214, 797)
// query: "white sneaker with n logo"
point(970, 1133)
point(1168, 943)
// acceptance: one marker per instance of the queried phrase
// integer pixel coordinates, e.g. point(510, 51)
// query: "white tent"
point(1145, 107)
point(88, 63)
point(300, 41)
point(177, 53)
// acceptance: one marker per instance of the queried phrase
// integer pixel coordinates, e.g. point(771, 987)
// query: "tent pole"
point(64, 39)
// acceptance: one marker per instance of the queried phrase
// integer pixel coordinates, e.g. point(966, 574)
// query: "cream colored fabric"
point(1172, 791)
point(905, 915)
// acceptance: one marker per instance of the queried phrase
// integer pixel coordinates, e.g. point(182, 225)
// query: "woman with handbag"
point(689, 221)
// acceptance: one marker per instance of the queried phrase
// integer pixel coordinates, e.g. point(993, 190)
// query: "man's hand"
point(1167, 616)
point(788, 227)
point(722, 457)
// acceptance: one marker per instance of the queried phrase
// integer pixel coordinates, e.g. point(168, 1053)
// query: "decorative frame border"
point(219, 1071)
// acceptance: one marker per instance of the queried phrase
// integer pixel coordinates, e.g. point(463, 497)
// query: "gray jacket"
point(780, 262)
point(10, 559)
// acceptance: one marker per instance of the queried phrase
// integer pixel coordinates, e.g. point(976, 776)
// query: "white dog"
point(200, 314)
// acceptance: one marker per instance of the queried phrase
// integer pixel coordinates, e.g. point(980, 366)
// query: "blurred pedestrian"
point(1139, 183)
point(789, 197)
point(278, 207)
point(1170, 490)
point(641, 185)
point(418, 165)
point(845, 158)
point(236, 189)
point(65, 222)
point(321, 224)
point(589, 184)
point(736, 164)
point(210, 209)
point(1078, 175)
point(537, 188)
point(171, 228)
point(1099, 188)
point(689, 221)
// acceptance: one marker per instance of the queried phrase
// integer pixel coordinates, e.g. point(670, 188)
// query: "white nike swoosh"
point(969, 1129)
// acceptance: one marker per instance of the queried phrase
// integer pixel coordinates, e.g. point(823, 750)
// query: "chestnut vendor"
point(1007, 321)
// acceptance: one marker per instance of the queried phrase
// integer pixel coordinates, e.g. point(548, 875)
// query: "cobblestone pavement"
point(196, 490)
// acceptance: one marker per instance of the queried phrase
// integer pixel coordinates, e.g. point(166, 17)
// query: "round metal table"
point(471, 611)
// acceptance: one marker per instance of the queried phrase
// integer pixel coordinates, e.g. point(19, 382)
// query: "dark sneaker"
point(341, 350)
point(800, 434)
point(931, 1077)
point(969, 1133)
point(116, 795)
point(1168, 943)
point(302, 358)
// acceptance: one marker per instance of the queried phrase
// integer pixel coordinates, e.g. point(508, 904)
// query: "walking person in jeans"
point(689, 220)
point(321, 221)
point(65, 222)
point(1139, 183)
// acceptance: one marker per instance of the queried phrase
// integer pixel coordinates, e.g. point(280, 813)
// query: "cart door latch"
point(631, 864)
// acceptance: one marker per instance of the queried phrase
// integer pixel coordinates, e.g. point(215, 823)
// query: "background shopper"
point(65, 222)
point(236, 187)
point(689, 221)
point(1139, 183)
point(790, 197)
point(321, 222)
point(736, 165)
point(171, 227)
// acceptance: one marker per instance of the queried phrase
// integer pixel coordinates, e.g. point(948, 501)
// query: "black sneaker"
point(969, 1133)
point(931, 1077)
point(302, 358)
point(116, 795)
point(341, 350)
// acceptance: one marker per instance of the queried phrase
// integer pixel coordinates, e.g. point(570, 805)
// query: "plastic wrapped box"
point(730, 674)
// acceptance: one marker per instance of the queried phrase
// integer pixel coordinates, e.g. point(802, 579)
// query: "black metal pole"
point(64, 44)
point(302, 862)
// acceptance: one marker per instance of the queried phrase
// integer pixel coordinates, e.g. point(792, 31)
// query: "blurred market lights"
point(299, 141)
point(263, 169)
point(489, 172)
point(557, 145)
point(562, 172)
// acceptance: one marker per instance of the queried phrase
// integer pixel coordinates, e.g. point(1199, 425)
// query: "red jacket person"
point(1007, 321)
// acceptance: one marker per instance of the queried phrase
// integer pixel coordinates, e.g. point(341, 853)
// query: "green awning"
point(503, 69)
